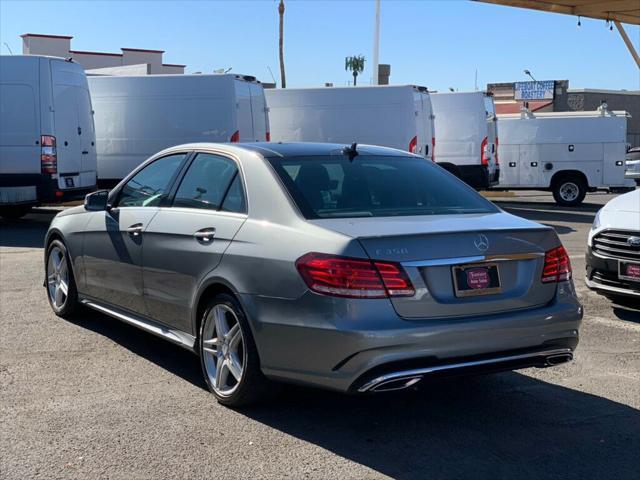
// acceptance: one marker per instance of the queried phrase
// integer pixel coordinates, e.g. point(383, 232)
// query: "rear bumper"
point(340, 345)
point(478, 176)
point(47, 190)
point(602, 277)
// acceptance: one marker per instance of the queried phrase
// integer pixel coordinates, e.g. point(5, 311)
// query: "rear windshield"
point(375, 186)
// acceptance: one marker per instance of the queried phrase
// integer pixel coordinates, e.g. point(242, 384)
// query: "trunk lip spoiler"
point(473, 259)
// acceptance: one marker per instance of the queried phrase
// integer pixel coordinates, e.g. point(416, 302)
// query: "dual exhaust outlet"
point(407, 379)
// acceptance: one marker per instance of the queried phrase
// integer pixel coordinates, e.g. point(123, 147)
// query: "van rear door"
point(73, 122)
point(259, 113)
point(424, 123)
point(244, 115)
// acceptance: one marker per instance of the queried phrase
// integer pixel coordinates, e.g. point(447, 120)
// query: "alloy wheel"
point(223, 350)
point(57, 278)
point(569, 191)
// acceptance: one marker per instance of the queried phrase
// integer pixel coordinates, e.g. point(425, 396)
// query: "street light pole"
point(527, 72)
point(376, 43)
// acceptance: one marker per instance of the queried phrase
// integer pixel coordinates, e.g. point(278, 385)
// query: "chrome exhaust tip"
point(553, 360)
point(395, 384)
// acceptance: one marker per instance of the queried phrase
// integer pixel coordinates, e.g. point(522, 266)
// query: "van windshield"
point(375, 186)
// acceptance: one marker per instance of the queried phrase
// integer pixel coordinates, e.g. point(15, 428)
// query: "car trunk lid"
point(429, 247)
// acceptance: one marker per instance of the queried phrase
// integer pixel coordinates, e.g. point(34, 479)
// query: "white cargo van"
point(390, 116)
point(139, 116)
point(47, 138)
point(568, 153)
point(465, 127)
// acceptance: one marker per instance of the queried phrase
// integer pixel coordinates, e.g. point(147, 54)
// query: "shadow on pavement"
point(498, 426)
point(561, 215)
point(166, 355)
point(627, 309)
point(26, 232)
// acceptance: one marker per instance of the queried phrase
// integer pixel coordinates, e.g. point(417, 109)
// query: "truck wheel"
point(569, 191)
point(13, 213)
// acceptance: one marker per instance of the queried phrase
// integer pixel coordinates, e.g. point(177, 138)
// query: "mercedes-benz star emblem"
point(481, 243)
point(633, 241)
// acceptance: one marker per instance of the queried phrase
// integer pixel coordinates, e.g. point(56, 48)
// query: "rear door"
point(73, 120)
point(244, 115)
point(187, 240)
point(259, 113)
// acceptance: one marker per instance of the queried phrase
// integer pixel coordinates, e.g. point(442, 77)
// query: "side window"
point(234, 201)
point(151, 184)
point(206, 183)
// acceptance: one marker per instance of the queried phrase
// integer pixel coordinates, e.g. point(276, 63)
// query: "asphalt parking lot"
point(95, 398)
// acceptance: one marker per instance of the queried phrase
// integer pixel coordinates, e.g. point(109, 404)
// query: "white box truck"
point(466, 131)
point(390, 116)
point(137, 116)
point(568, 153)
point(47, 137)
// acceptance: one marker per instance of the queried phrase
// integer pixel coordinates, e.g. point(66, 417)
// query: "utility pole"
point(376, 43)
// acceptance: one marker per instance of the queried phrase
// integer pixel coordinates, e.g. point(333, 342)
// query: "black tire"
point(70, 306)
point(569, 191)
point(15, 212)
point(253, 385)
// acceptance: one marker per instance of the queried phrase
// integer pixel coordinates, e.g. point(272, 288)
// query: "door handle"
point(85, 152)
point(205, 235)
point(135, 229)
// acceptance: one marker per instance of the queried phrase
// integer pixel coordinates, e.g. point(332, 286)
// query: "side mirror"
point(96, 201)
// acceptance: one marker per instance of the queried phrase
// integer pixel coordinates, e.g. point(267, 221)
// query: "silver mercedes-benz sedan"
point(354, 268)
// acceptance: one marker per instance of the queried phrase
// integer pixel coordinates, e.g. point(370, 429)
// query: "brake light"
point(413, 145)
point(48, 154)
point(483, 151)
point(235, 138)
point(268, 136)
point(557, 266)
point(433, 149)
point(353, 277)
point(496, 155)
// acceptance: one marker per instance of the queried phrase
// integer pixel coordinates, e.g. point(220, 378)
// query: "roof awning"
point(626, 11)
point(617, 11)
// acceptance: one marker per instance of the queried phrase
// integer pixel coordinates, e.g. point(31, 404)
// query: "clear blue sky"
point(438, 44)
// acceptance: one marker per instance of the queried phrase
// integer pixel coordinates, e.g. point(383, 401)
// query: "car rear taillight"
point(496, 155)
point(235, 138)
point(557, 266)
point(413, 145)
point(268, 136)
point(353, 277)
point(483, 151)
point(433, 149)
point(48, 154)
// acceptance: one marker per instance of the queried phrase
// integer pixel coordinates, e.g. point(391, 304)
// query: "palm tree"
point(356, 65)
point(283, 78)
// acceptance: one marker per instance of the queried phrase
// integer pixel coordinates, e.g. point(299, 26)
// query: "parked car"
point(466, 129)
point(396, 116)
point(568, 153)
point(47, 138)
point(632, 165)
point(613, 249)
point(139, 116)
point(358, 269)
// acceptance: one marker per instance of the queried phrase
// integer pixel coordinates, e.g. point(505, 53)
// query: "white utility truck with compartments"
point(137, 116)
point(568, 153)
point(47, 137)
point(467, 134)
point(397, 116)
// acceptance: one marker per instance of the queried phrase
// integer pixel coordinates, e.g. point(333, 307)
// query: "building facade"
point(60, 46)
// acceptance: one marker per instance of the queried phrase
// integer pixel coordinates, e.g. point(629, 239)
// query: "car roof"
point(293, 149)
